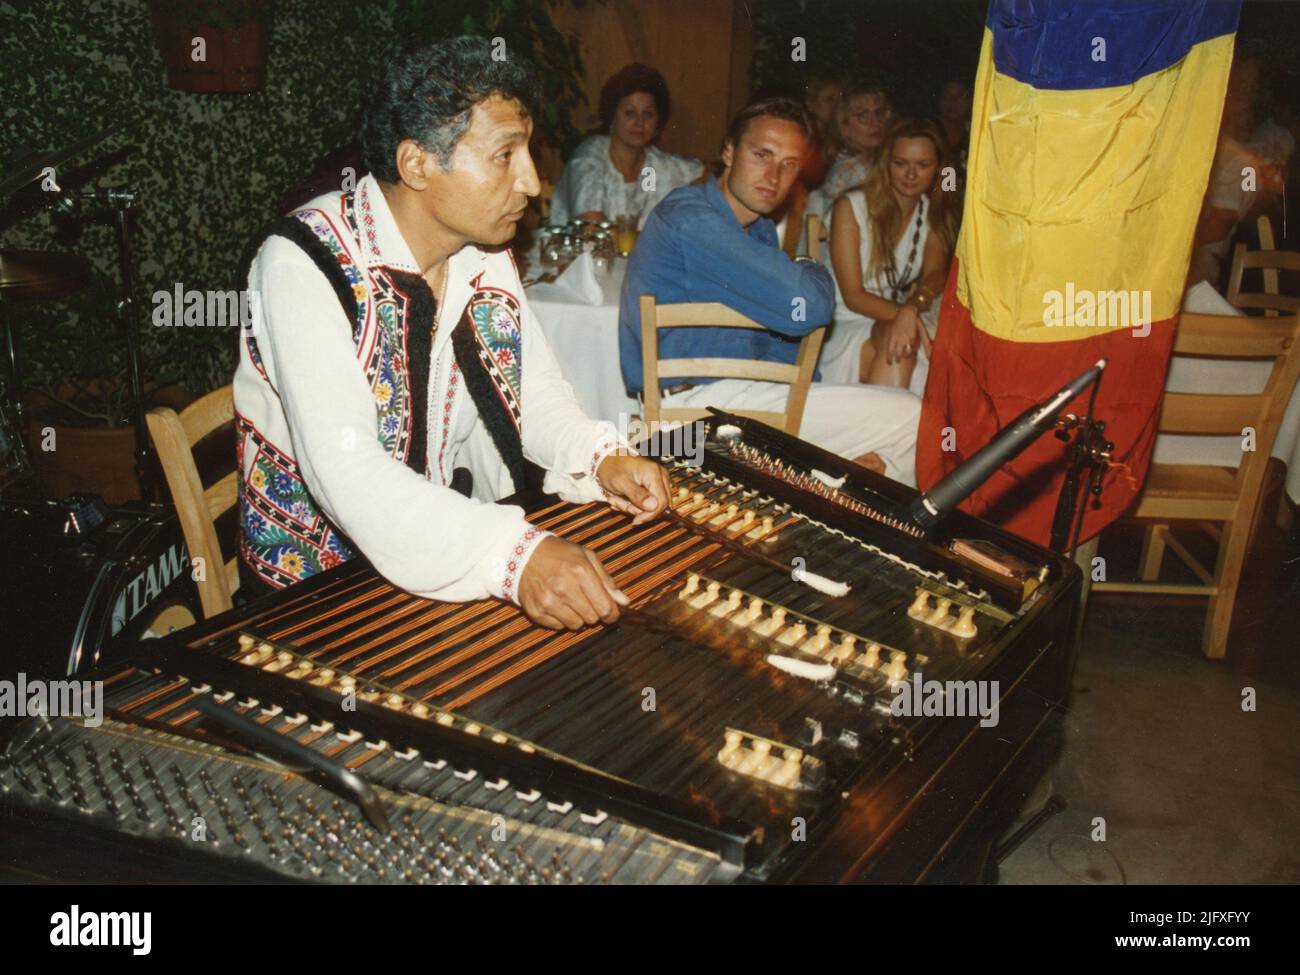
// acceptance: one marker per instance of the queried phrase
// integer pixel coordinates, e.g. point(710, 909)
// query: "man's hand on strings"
point(635, 485)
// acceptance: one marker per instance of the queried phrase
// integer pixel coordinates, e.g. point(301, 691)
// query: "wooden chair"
point(792, 222)
point(1269, 261)
point(1217, 495)
point(817, 236)
point(655, 316)
point(174, 437)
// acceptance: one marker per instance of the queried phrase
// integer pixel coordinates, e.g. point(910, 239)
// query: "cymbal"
point(36, 275)
point(29, 168)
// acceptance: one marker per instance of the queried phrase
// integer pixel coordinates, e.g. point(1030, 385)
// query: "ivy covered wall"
point(210, 168)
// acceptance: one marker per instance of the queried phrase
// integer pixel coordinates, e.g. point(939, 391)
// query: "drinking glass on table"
point(625, 233)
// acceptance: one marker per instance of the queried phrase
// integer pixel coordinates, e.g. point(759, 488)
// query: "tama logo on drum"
point(149, 584)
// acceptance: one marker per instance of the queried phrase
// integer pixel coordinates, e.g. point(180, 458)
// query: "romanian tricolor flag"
point(1092, 133)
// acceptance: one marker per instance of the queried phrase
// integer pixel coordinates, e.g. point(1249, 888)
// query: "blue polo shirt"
point(694, 249)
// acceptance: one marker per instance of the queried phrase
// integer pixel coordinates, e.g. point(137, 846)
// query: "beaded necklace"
point(899, 283)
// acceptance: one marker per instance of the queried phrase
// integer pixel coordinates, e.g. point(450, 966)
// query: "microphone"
point(1009, 443)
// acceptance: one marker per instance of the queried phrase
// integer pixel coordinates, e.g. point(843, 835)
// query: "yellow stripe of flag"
point(1086, 191)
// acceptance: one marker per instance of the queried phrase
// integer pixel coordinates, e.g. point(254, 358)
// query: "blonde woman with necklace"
point(890, 243)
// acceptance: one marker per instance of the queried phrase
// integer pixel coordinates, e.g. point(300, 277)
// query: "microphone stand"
point(1089, 452)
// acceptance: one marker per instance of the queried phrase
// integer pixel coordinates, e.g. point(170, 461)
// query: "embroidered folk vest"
point(283, 536)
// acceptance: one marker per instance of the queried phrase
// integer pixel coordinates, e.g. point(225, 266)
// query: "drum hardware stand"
point(15, 464)
point(121, 202)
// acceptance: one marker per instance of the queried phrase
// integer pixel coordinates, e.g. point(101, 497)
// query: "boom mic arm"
point(1009, 443)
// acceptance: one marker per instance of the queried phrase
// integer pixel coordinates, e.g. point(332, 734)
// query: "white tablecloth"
point(584, 338)
point(1238, 377)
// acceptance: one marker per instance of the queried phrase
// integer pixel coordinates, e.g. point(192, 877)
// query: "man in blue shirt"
point(714, 242)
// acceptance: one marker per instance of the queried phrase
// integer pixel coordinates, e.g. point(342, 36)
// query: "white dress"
point(849, 171)
point(849, 331)
point(592, 182)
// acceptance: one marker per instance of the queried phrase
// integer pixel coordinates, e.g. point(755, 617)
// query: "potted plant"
point(212, 45)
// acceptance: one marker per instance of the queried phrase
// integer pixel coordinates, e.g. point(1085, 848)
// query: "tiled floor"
point(1191, 788)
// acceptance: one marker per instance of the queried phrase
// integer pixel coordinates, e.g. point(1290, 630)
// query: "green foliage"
point(210, 169)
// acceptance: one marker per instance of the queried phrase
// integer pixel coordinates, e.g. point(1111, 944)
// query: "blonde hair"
point(842, 115)
point(883, 213)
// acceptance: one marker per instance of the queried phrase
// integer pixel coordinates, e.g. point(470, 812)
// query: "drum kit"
point(33, 183)
point(79, 577)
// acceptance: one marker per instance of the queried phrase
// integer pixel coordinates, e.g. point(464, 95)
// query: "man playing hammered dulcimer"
point(394, 379)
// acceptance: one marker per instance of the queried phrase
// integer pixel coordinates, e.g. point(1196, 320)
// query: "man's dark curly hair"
point(629, 80)
point(425, 92)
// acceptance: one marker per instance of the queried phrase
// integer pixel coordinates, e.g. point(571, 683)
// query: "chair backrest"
point(655, 316)
point(792, 222)
point(174, 437)
point(1269, 261)
point(816, 236)
point(1236, 337)
point(1265, 228)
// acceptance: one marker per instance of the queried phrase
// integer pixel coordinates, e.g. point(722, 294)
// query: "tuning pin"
point(940, 615)
point(732, 604)
point(692, 586)
point(896, 669)
point(920, 605)
point(754, 611)
point(706, 513)
point(743, 524)
point(787, 774)
point(794, 635)
point(965, 625)
point(260, 655)
point(821, 640)
point(871, 656)
point(757, 759)
point(282, 660)
point(846, 648)
point(773, 625)
point(708, 596)
point(730, 753)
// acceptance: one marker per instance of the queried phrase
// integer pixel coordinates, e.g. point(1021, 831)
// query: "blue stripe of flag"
point(1051, 43)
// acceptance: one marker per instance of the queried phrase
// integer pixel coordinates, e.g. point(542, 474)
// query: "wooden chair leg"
point(1227, 574)
point(1153, 552)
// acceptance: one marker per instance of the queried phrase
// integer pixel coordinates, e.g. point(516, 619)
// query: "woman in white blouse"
point(890, 242)
point(623, 172)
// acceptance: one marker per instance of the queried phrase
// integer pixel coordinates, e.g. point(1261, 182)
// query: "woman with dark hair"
point(890, 245)
point(622, 172)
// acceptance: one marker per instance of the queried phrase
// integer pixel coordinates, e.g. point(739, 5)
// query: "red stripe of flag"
point(978, 384)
